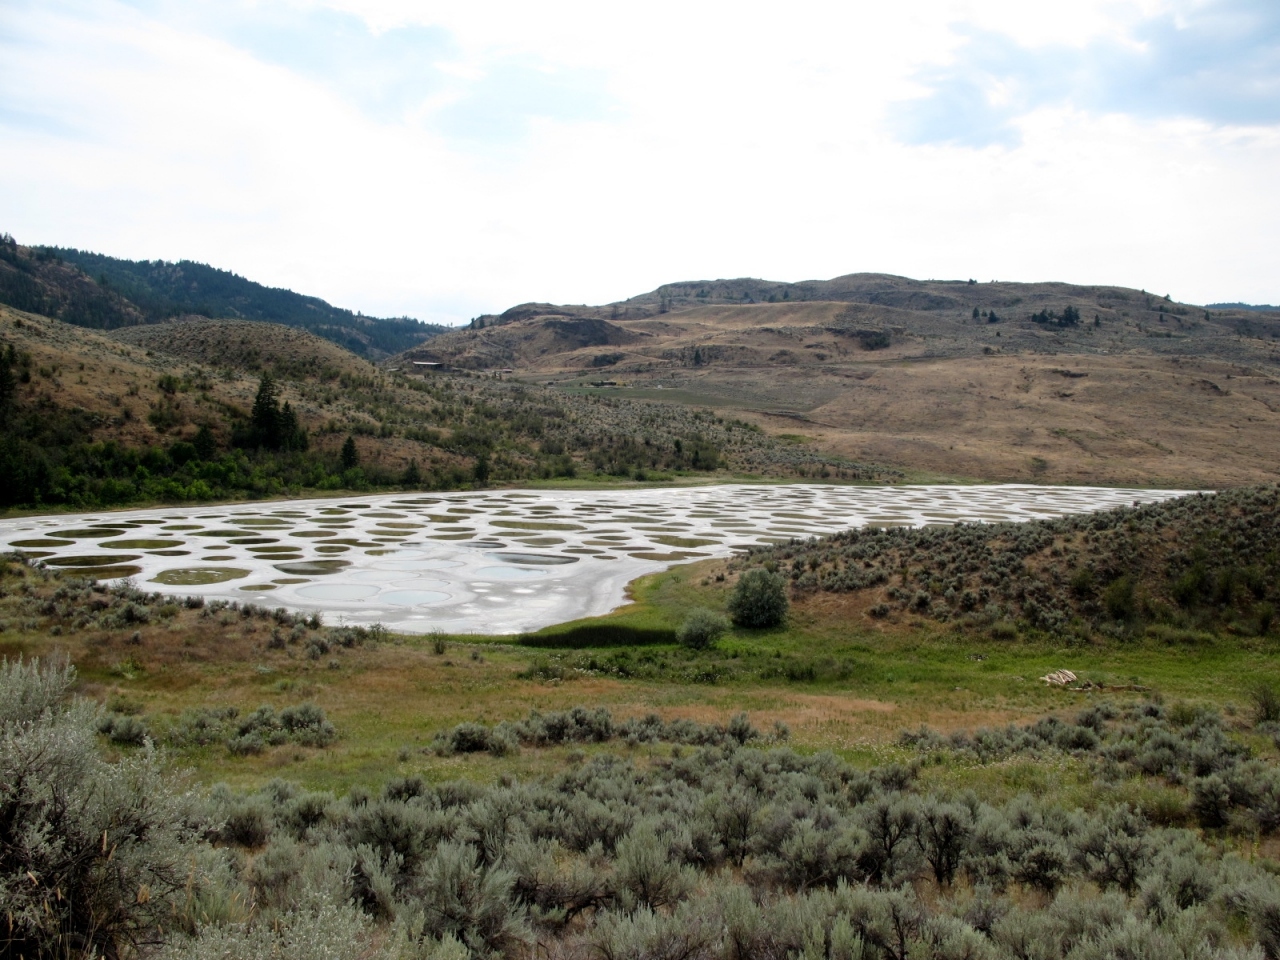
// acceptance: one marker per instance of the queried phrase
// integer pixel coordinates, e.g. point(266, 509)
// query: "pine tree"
point(205, 443)
point(350, 455)
point(265, 419)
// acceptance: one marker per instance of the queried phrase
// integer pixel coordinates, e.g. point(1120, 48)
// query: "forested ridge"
point(102, 292)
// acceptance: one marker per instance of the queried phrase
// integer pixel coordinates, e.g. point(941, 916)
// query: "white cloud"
point(586, 152)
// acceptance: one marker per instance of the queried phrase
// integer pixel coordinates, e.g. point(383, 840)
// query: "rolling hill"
point(999, 381)
point(93, 290)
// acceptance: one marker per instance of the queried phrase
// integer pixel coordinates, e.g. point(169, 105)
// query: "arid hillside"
point(177, 412)
point(997, 381)
point(247, 346)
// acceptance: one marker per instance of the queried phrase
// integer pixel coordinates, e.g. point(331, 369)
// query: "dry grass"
point(1145, 398)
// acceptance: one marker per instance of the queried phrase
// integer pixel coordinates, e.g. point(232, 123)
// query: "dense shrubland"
point(582, 726)
point(1201, 563)
point(730, 851)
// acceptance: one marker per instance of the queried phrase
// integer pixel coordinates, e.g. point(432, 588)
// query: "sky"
point(447, 159)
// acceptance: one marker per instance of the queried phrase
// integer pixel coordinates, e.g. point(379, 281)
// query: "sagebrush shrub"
point(759, 599)
point(701, 629)
point(93, 855)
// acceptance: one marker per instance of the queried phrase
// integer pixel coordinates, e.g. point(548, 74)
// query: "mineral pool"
point(492, 562)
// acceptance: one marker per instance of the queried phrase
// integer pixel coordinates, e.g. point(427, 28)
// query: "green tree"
point(272, 426)
point(350, 455)
point(412, 475)
point(205, 443)
point(481, 472)
point(264, 421)
point(759, 599)
point(8, 380)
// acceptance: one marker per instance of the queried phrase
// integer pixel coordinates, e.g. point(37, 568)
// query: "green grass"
point(840, 683)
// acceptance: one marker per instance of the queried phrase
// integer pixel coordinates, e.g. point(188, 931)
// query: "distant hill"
point(1048, 382)
point(101, 292)
point(1265, 307)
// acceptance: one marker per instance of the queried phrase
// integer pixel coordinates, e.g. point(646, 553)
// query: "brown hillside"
point(1141, 390)
point(253, 346)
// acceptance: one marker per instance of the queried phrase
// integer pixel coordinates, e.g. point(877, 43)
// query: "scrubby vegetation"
point(1178, 570)
point(759, 599)
point(729, 850)
point(446, 433)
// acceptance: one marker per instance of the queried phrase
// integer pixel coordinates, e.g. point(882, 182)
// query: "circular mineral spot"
point(169, 553)
point(241, 541)
point(197, 576)
point(93, 560)
point(139, 544)
point(259, 586)
point(684, 542)
point(406, 564)
point(533, 559)
point(311, 533)
point(41, 543)
point(507, 573)
point(110, 573)
point(332, 548)
point(411, 598)
point(338, 591)
point(98, 533)
point(285, 581)
point(535, 525)
point(667, 557)
point(217, 559)
point(374, 576)
point(313, 568)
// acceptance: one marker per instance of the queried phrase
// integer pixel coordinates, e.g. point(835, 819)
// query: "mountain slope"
point(1050, 382)
point(286, 353)
point(93, 290)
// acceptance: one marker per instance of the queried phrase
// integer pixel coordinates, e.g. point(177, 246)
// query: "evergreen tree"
point(205, 443)
point(8, 380)
point(265, 419)
point(412, 475)
point(350, 455)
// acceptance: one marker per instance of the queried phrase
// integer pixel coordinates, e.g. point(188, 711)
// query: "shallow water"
point(407, 562)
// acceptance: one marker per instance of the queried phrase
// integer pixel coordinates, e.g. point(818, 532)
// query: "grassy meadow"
point(839, 683)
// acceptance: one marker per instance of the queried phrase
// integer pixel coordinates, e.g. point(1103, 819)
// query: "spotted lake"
point(492, 561)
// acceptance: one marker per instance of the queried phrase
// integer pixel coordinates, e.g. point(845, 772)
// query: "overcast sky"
point(443, 159)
